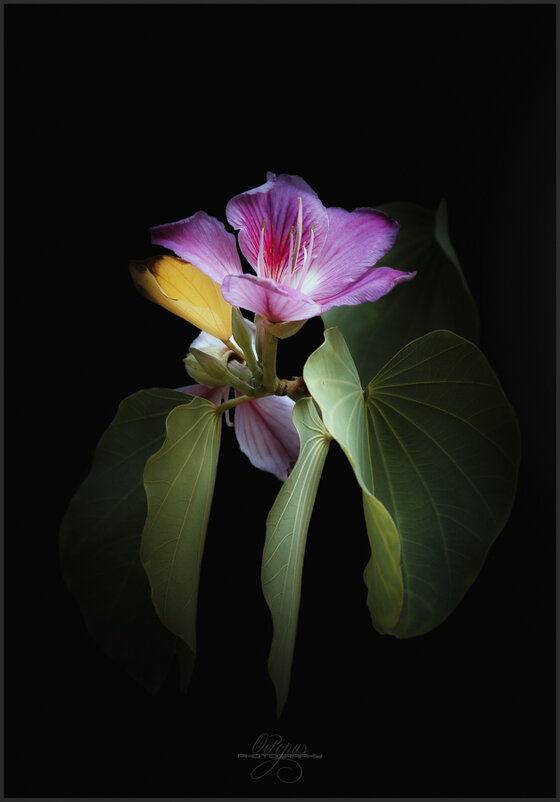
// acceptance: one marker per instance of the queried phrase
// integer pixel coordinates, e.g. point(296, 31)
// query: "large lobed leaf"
point(286, 532)
point(438, 469)
point(179, 481)
point(100, 540)
point(437, 298)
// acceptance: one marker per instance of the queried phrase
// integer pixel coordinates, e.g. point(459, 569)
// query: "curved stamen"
point(306, 262)
point(299, 227)
point(311, 240)
point(290, 255)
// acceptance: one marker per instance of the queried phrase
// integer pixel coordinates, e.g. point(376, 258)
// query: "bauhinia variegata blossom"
point(442, 436)
point(306, 259)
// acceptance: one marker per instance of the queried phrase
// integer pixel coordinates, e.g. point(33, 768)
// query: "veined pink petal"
point(375, 283)
point(276, 204)
point(213, 394)
point(276, 302)
point(266, 434)
point(356, 240)
point(202, 241)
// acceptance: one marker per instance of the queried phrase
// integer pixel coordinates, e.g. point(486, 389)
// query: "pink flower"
point(307, 258)
point(263, 426)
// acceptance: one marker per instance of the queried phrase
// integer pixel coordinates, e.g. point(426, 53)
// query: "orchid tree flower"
point(263, 426)
point(307, 258)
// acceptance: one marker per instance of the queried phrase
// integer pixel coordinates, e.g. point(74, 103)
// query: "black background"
point(123, 117)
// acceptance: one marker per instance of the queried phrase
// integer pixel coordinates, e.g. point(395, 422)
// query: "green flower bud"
point(208, 367)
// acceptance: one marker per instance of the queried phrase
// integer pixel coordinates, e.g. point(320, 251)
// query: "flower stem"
point(267, 346)
point(269, 378)
point(233, 402)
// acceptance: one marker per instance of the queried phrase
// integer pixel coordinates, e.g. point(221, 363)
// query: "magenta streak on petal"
point(374, 284)
point(277, 205)
point(202, 241)
point(267, 435)
point(276, 302)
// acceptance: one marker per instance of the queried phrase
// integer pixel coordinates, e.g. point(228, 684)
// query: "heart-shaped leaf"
point(443, 445)
point(179, 481)
point(100, 540)
point(437, 298)
point(286, 533)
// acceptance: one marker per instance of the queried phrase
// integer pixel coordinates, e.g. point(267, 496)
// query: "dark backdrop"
point(122, 117)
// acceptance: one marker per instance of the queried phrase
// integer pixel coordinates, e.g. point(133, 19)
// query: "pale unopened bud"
point(208, 368)
point(240, 371)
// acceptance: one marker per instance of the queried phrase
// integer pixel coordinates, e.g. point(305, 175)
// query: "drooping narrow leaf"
point(437, 298)
point(382, 574)
point(179, 481)
point(444, 452)
point(286, 532)
point(100, 540)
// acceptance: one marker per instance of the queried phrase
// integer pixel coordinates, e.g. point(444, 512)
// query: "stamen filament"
point(298, 234)
point(306, 262)
point(290, 255)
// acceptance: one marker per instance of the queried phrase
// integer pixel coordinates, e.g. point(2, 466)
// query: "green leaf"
point(333, 381)
point(100, 540)
point(437, 298)
point(179, 481)
point(382, 574)
point(286, 533)
point(444, 452)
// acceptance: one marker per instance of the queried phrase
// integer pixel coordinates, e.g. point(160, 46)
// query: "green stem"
point(252, 364)
point(269, 347)
point(233, 402)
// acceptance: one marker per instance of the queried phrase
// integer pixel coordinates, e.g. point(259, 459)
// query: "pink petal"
point(376, 282)
point(356, 240)
point(276, 203)
point(277, 302)
point(266, 434)
point(213, 394)
point(203, 242)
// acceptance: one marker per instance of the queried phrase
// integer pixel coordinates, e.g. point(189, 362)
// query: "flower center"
point(292, 270)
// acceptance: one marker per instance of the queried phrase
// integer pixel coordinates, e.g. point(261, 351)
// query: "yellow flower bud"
point(184, 290)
